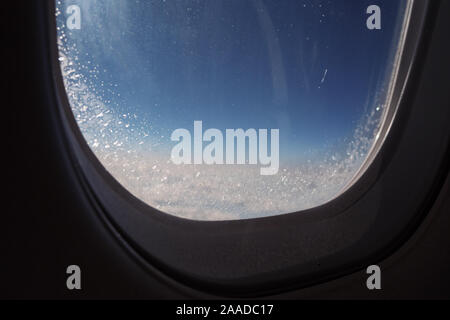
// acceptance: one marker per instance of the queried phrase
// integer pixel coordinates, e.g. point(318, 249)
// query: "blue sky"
point(310, 68)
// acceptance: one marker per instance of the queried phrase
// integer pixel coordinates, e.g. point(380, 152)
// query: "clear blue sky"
point(241, 64)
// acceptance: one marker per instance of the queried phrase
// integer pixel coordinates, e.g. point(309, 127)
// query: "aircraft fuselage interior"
point(251, 151)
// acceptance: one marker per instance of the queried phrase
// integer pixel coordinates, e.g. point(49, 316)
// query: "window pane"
point(307, 81)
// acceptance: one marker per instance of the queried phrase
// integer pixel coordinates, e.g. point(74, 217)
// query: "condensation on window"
point(135, 71)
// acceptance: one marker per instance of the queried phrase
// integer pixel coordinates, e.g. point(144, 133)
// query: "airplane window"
point(237, 109)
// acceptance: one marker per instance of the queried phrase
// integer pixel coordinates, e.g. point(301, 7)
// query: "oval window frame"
point(266, 255)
